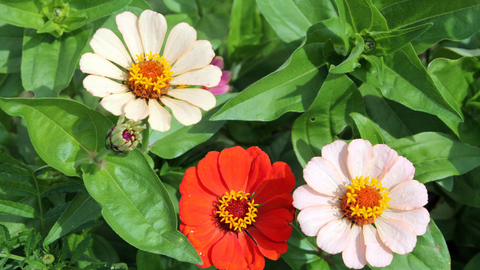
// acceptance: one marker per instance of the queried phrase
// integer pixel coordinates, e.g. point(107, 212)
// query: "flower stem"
point(199, 7)
point(13, 257)
point(145, 139)
point(102, 154)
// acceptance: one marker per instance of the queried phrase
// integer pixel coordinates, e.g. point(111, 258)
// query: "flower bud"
point(124, 136)
point(48, 259)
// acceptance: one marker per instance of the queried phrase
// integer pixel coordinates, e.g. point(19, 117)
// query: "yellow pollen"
point(365, 200)
point(236, 211)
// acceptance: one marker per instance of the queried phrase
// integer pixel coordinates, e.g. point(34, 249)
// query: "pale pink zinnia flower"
point(362, 201)
point(222, 87)
point(140, 83)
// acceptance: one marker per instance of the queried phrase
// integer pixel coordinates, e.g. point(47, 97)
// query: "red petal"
point(280, 180)
point(284, 200)
point(196, 209)
point(227, 253)
point(275, 224)
point(205, 251)
point(191, 184)
point(251, 253)
point(261, 166)
point(209, 174)
point(269, 248)
point(235, 164)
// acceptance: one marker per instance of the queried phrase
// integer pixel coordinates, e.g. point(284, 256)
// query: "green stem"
point(145, 139)
point(11, 256)
point(199, 7)
point(102, 154)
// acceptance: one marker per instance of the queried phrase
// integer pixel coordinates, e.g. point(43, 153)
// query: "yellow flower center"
point(236, 211)
point(149, 76)
point(365, 200)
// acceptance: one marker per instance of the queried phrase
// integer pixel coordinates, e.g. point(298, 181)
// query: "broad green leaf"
point(83, 208)
point(92, 10)
point(65, 133)
point(10, 85)
point(48, 63)
point(179, 138)
point(466, 188)
point(368, 130)
point(17, 209)
point(446, 183)
point(136, 205)
point(102, 250)
point(213, 27)
point(291, 18)
point(16, 178)
point(327, 117)
point(453, 20)
point(455, 53)
point(148, 261)
point(288, 89)
point(333, 29)
point(474, 263)
point(361, 15)
point(22, 13)
point(402, 77)
point(352, 61)
point(436, 155)
point(431, 252)
point(10, 48)
point(80, 249)
point(181, 6)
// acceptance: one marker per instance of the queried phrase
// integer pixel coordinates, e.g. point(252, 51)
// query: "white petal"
point(334, 236)
point(377, 253)
point(92, 63)
point(179, 41)
point(418, 218)
point(397, 235)
point(102, 87)
point(136, 109)
point(336, 153)
point(152, 26)
point(108, 45)
point(354, 254)
point(184, 112)
point(384, 158)
point(195, 96)
point(313, 218)
point(208, 76)
point(305, 196)
point(408, 195)
point(199, 55)
point(360, 156)
point(115, 103)
point(159, 118)
point(127, 23)
point(402, 170)
point(322, 176)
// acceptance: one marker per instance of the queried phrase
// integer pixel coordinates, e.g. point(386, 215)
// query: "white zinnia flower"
point(150, 80)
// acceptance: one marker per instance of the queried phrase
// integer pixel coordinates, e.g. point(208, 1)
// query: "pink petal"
point(226, 76)
point(159, 118)
point(198, 97)
point(336, 153)
point(115, 103)
point(218, 61)
point(383, 159)
point(218, 90)
point(360, 157)
point(354, 254)
point(127, 24)
point(199, 55)
point(408, 195)
point(418, 218)
point(334, 236)
point(208, 76)
point(136, 109)
point(402, 170)
point(396, 235)
point(93, 63)
point(322, 176)
point(152, 26)
point(305, 196)
point(184, 112)
point(181, 37)
point(313, 218)
point(108, 45)
point(377, 253)
point(102, 87)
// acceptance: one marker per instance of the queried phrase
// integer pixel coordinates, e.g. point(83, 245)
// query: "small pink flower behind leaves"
point(222, 87)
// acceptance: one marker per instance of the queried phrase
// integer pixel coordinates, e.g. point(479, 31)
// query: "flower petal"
point(209, 174)
point(280, 180)
point(159, 118)
point(92, 63)
point(275, 224)
point(227, 253)
point(218, 61)
point(198, 56)
point(269, 248)
point(408, 195)
point(360, 157)
point(305, 196)
point(336, 153)
point(203, 238)
point(183, 111)
point(179, 41)
point(127, 24)
point(192, 184)
point(115, 103)
point(219, 90)
point(313, 218)
point(196, 209)
point(195, 96)
point(354, 254)
point(108, 45)
point(280, 201)
point(208, 76)
point(334, 236)
point(102, 87)
point(384, 158)
point(397, 235)
point(418, 218)
point(323, 177)
point(261, 167)
point(251, 254)
point(402, 170)
point(136, 109)
point(377, 253)
point(235, 164)
point(152, 27)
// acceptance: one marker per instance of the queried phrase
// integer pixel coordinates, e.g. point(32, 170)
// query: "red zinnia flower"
point(236, 208)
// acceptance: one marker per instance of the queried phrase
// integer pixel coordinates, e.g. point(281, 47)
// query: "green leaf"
point(474, 263)
point(148, 261)
point(436, 155)
point(179, 138)
point(48, 63)
point(453, 20)
point(80, 249)
point(136, 205)
point(16, 177)
point(92, 10)
point(361, 15)
point(10, 48)
point(422, 256)
point(17, 209)
point(352, 61)
point(326, 118)
point(65, 133)
point(288, 89)
point(181, 6)
point(402, 77)
point(466, 188)
point(368, 130)
point(291, 18)
point(83, 208)
point(10, 85)
point(22, 13)
point(213, 27)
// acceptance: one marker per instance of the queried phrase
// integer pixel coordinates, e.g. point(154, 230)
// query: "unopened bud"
point(48, 259)
point(124, 136)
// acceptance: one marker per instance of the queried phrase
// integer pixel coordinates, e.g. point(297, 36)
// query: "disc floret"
point(236, 211)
